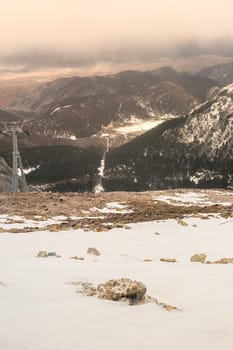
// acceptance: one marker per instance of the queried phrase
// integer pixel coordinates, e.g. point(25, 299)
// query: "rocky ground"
point(103, 211)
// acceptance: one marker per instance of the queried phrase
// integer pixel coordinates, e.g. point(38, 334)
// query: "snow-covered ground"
point(40, 308)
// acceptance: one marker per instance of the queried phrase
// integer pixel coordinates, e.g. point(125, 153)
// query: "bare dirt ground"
point(91, 211)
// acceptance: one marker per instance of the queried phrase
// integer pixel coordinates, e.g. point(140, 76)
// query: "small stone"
point(42, 254)
point(182, 222)
point(169, 260)
point(77, 258)
point(198, 258)
point(147, 260)
point(119, 225)
point(93, 251)
point(54, 254)
point(55, 228)
point(102, 229)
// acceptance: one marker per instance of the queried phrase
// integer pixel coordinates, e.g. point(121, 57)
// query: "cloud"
point(115, 29)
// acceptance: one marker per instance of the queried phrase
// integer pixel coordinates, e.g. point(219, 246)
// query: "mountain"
point(194, 150)
point(81, 106)
point(73, 119)
point(222, 73)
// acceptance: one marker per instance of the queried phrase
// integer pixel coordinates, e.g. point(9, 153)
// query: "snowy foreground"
point(40, 308)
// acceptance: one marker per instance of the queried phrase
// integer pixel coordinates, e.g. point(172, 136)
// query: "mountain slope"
point(222, 73)
point(196, 150)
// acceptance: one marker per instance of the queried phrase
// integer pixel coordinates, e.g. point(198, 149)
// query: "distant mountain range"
point(67, 123)
point(80, 107)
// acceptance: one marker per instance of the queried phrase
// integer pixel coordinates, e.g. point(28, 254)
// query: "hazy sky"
point(87, 26)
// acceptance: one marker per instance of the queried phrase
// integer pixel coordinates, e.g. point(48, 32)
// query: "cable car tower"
point(13, 128)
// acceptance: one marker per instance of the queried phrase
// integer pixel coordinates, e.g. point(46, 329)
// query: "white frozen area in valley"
point(40, 308)
point(136, 125)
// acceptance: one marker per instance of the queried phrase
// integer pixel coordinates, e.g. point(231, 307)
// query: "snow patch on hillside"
point(57, 109)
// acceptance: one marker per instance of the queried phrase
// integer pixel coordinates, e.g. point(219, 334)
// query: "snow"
point(113, 208)
point(40, 308)
point(188, 199)
point(59, 109)
point(99, 186)
point(228, 88)
point(29, 170)
point(139, 126)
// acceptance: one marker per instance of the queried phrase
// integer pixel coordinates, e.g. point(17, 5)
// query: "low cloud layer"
point(92, 30)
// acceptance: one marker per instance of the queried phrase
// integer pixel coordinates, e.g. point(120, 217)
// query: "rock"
point(77, 258)
point(53, 254)
point(86, 288)
point(221, 261)
point(198, 258)
point(147, 260)
point(169, 260)
point(182, 222)
point(93, 251)
point(122, 289)
point(119, 225)
point(54, 227)
point(102, 229)
point(42, 254)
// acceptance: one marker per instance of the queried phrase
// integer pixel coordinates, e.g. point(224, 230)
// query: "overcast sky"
point(98, 26)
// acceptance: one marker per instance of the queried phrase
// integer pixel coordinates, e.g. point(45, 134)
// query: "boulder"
point(198, 258)
point(122, 289)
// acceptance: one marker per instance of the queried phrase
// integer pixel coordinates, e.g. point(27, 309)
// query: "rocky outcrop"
point(122, 289)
